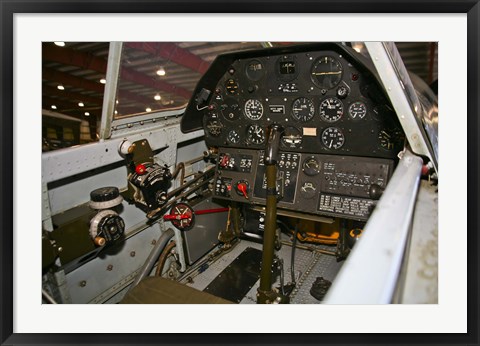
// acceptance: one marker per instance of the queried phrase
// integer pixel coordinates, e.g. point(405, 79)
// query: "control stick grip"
point(273, 144)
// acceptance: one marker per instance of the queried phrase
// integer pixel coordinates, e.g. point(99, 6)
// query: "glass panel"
point(156, 76)
point(72, 92)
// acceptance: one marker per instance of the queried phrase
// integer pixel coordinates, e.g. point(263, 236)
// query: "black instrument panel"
point(340, 136)
point(324, 102)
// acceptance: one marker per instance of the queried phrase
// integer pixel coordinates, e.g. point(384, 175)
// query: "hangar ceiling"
point(73, 73)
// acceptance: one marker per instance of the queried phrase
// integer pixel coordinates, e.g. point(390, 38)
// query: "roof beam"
point(90, 62)
point(174, 53)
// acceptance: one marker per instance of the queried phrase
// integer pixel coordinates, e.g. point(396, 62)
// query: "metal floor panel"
point(308, 266)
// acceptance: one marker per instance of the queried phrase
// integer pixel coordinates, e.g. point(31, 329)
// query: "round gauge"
point(331, 109)
point(233, 137)
point(254, 70)
point(308, 190)
point(255, 134)
point(357, 110)
point(291, 138)
point(230, 109)
point(253, 109)
point(303, 109)
point(333, 138)
point(311, 166)
point(326, 72)
point(231, 86)
point(286, 68)
point(214, 127)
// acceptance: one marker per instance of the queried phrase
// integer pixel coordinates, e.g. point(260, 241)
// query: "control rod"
point(265, 294)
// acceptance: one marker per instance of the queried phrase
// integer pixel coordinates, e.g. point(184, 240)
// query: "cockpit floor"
point(309, 265)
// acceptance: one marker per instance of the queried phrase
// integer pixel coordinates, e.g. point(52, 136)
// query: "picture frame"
point(7, 173)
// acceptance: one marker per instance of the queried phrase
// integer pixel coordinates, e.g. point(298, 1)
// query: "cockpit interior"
point(239, 173)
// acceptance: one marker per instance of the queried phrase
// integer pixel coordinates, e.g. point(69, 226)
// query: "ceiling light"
point(116, 112)
point(161, 71)
point(60, 87)
point(148, 109)
point(60, 44)
point(54, 107)
point(103, 81)
point(116, 102)
point(87, 114)
point(157, 97)
point(80, 104)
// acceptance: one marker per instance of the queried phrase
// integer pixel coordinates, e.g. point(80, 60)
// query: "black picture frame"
point(7, 175)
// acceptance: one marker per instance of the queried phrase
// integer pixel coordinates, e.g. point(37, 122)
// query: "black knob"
point(375, 191)
point(104, 194)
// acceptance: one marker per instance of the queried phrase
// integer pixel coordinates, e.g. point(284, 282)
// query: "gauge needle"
point(331, 142)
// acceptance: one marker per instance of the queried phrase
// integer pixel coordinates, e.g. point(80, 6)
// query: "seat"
point(158, 290)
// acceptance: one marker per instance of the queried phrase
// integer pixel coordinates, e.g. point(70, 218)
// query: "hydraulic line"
point(153, 257)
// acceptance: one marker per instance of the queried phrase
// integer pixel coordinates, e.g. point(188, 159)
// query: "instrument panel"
point(321, 99)
point(340, 135)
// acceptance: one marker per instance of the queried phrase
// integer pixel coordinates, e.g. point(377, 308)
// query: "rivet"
point(132, 254)
point(83, 283)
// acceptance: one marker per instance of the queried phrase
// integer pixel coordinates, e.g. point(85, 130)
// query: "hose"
point(153, 257)
point(163, 258)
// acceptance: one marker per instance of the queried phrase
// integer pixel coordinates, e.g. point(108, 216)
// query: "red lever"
point(243, 188)
point(176, 217)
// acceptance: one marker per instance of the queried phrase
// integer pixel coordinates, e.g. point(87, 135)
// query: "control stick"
point(265, 294)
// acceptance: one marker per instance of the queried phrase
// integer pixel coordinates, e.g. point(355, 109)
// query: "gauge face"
point(253, 109)
point(331, 109)
point(286, 68)
point(357, 110)
point(255, 134)
point(292, 138)
point(333, 138)
point(308, 190)
point(326, 72)
point(311, 166)
point(214, 127)
point(303, 109)
point(233, 137)
point(231, 86)
point(254, 70)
